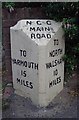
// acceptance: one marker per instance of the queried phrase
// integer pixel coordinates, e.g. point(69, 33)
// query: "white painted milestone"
point(37, 47)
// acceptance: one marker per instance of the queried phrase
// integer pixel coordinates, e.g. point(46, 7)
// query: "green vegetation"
point(9, 5)
point(68, 14)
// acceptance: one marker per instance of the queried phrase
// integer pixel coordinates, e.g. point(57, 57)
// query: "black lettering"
point(55, 72)
point(21, 62)
point(23, 73)
point(20, 52)
point(55, 82)
point(24, 82)
point(18, 62)
point(38, 22)
point(48, 22)
point(25, 63)
point(47, 29)
point(38, 36)
point(29, 65)
point(43, 36)
point(55, 52)
point(21, 82)
point(32, 28)
point(53, 63)
point(23, 53)
point(59, 79)
point(31, 86)
point(18, 80)
point(32, 65)
point(48, 65)
point(56, 42)
point(50, 84)
point(36, 66)
point(60, 51)
point(38, 29)
point(51, 54)
point(27, 83)
point(14, 61)
point(48, 36)
point(29, 22)
point(32, 36)
point(59, 61)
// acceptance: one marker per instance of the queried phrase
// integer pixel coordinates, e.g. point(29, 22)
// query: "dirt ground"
point(64, 105)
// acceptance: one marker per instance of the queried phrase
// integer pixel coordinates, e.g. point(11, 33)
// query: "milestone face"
point(37, 65)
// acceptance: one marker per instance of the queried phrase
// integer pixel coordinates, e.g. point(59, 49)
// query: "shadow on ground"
point(64, 105)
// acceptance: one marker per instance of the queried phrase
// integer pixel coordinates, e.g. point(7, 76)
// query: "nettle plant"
point(68, 14)
point(72, 45)
point(9, 5)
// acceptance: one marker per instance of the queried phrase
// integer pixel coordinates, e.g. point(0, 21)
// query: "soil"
point(64, 105)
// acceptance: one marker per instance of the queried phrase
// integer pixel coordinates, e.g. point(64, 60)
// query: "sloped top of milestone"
point(38, 30)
